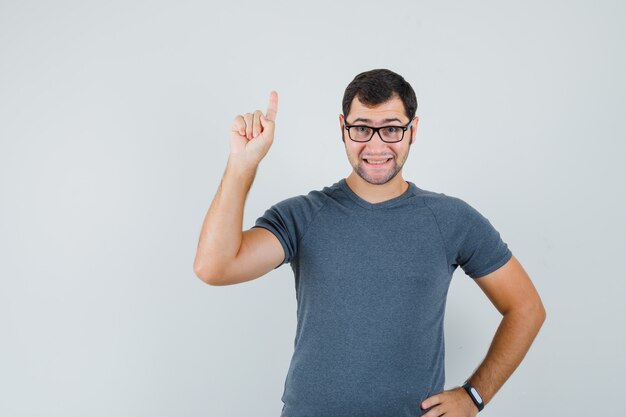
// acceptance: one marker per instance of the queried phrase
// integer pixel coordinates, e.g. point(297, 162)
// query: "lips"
point(377, 162)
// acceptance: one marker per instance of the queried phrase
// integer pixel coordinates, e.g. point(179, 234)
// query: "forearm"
point(221, 234)
point(512, 340)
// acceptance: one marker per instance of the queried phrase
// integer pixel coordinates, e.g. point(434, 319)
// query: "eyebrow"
point(361, 119)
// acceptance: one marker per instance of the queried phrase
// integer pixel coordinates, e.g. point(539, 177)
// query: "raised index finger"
point(272, 107)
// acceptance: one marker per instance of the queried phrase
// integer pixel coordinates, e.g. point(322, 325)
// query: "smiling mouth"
point(377, 163)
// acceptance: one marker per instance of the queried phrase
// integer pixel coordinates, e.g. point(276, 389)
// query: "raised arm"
point(225, 254)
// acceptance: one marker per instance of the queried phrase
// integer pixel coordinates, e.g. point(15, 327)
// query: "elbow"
point(531, 312)
point(535, 313)
point(201, 274)
point(539, 317)
point(541, 314)
point(207, 275)
point(538, 310)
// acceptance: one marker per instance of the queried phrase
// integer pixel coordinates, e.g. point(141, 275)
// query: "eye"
point(392, 129)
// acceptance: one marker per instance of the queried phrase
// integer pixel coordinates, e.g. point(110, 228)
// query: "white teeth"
point(377, 162)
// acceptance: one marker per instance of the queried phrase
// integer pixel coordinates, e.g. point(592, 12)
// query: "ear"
point(341, 127)
point(414, 129)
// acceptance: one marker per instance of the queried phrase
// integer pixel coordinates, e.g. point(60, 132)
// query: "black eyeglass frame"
point(376, 130)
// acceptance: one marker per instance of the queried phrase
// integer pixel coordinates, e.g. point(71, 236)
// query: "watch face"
point(476, 394)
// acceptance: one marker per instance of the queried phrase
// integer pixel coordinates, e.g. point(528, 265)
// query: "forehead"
point(391, 109)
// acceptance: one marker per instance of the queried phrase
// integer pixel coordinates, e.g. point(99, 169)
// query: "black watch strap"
point(474, 395)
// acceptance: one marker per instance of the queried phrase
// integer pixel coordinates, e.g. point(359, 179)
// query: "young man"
point(372, 256)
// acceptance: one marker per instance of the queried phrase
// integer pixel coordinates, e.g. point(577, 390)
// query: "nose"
point(377, 142)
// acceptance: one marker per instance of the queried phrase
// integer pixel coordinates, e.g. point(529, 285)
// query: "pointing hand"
point(252, 134)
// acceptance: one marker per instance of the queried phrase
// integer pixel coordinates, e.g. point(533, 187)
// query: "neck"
point(377, 193)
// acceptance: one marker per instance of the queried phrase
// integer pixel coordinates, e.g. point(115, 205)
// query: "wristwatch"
point(474, 395)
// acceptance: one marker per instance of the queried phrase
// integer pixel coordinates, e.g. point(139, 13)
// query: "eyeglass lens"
point(364, 133)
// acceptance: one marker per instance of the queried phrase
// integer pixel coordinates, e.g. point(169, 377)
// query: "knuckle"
point(434, 412)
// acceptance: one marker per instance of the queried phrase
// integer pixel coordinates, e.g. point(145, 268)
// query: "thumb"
point(265, 122)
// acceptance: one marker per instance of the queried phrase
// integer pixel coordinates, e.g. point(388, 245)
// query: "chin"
point(378, 179)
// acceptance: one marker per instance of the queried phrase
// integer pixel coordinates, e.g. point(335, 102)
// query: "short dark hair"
point(378, 86)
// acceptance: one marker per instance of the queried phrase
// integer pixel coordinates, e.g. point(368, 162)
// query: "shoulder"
point(452, 213)
point(311, 201)
point(446, 206)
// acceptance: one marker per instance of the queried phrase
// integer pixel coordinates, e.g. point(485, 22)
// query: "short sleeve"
point(288, 221)
point(481, 249)
point(470, 240)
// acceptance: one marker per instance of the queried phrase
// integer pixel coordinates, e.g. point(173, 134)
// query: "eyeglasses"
point(389, 134)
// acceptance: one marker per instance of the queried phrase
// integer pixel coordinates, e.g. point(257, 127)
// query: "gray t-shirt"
point(371, 282)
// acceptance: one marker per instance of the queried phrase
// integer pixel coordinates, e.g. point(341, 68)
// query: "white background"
point(114, 120)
